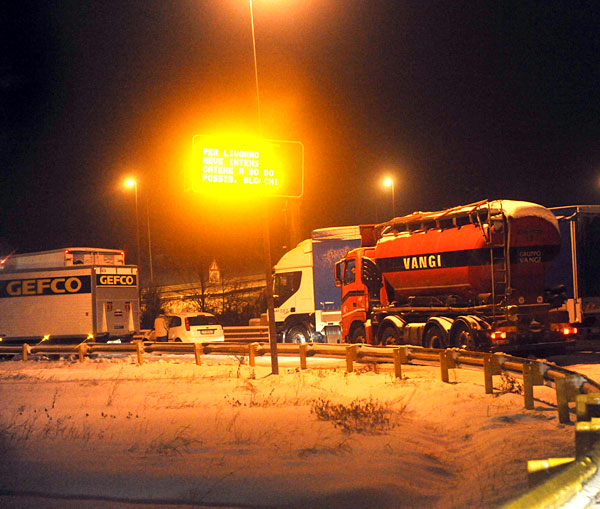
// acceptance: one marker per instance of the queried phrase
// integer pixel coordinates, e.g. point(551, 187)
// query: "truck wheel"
point(464, 337)
point(297, 334)
point(435, 337)
point(390, 336)
point(358, 335)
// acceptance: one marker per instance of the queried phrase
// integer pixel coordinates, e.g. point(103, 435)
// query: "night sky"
point(460, 101)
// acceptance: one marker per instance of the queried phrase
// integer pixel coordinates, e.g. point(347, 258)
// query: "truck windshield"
point(286, 284)
point(349, 271)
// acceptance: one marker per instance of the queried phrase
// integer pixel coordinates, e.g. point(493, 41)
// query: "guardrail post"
point(25, 351)
point(82, 350)
point(198, 351)
point(588, 406)
point(562, 401)
point(252, 354)
point(302, 350)
point(446, 363)
point(351, 355)
point(487, 373)
point(398, 362)
point(139, 348)
point(444, 366)
point(528, 384)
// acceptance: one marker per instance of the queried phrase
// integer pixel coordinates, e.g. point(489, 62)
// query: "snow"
point(224, 433)
point(519, 209)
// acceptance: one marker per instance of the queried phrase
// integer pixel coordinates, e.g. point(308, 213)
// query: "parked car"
point(188, 328)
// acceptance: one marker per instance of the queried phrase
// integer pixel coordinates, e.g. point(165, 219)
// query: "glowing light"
point(567, 331)
point(130, 182)
point(498, 335)
point(388, 182)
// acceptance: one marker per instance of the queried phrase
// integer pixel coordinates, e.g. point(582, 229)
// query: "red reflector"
point(187, 324)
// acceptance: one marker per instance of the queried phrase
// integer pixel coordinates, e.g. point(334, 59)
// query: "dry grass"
point(360, 416)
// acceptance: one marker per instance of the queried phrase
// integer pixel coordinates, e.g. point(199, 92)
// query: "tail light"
point(568, 331)
point(498, 335)
point(187, 324)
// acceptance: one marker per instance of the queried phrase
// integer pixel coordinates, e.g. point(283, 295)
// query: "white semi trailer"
point(70, 295)
point(307, 302)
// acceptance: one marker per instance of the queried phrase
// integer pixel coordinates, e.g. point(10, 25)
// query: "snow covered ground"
point(171, 432)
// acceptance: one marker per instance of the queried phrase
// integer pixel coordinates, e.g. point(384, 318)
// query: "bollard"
point(587, 434)
point(398, 362)
point(528, 384)
point(25, 351)
point(198, 351)
point(139, 348)
point(82, 350)
point(351, 355)
point(302, 350)
point(252, 354)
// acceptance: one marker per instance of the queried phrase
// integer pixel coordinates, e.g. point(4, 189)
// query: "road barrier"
point(572, 480)
point(247, 333)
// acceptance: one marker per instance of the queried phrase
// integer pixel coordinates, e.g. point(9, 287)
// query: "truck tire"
point(390, 336)
point(463, 336)
point(435, 337)
point(297, 334)
point(358, 335)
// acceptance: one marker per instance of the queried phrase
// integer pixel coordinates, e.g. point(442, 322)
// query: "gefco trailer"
point(576, 270)
point(55, 296)
point(469, 277)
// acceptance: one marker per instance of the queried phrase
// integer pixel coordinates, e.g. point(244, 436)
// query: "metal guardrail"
point(534, 372)
point(577, 480)
point(247, 333)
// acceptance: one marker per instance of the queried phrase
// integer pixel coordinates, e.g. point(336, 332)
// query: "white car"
point(188, 328)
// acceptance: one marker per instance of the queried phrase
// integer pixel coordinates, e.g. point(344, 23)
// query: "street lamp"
point(389, 182)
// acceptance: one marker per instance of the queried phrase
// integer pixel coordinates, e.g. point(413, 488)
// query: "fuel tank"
point(501, 248)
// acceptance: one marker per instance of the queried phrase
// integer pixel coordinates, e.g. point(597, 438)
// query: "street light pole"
point(131, 182)
point(266, 234)
point(389, 182)
point(149, 242)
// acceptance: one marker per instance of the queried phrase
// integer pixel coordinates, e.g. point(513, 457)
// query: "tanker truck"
point(470, 277)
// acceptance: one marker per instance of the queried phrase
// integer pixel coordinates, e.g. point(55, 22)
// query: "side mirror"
point(338, 273)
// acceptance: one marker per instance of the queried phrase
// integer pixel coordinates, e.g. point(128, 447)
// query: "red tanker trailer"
point(470, 276)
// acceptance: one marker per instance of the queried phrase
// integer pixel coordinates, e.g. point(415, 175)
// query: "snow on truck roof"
point(72, 250)
point(336, 232)
point(510, 208)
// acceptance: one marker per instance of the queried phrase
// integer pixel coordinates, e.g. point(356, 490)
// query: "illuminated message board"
point(261, 167)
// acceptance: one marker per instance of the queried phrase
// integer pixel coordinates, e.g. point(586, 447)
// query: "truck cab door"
point(354, 296)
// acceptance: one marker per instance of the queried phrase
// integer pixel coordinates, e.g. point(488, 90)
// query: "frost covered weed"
point(369, 367)
point(360, 416)
point(256, 400)
point(338, 449)
point(113, 388)
point(508, 384)
point(174, 446)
